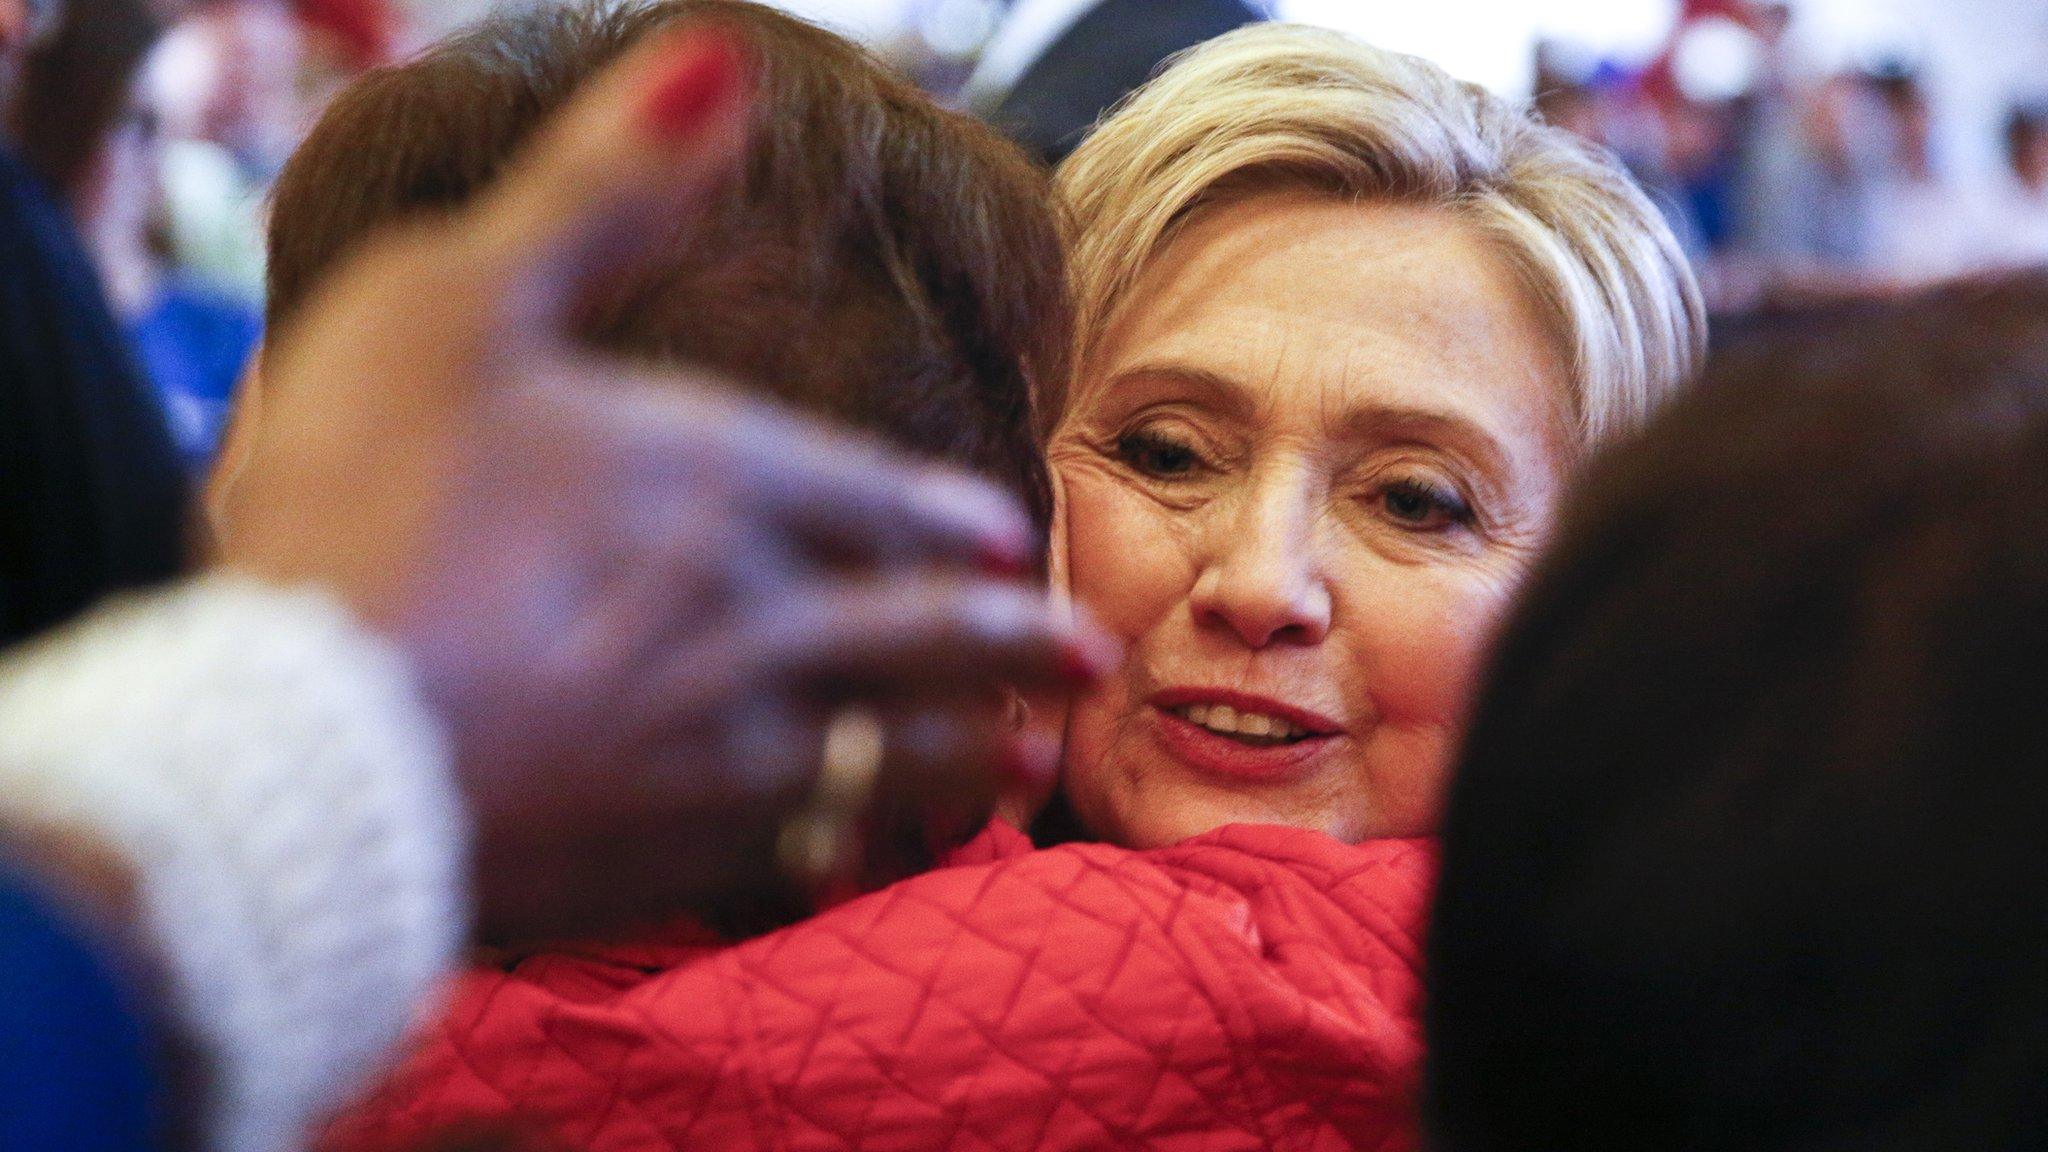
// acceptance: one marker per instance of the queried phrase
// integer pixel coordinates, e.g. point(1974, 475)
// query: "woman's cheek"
point(1421, 639)
point(1433, 635)
point(1128, 555)
point(1130, 564)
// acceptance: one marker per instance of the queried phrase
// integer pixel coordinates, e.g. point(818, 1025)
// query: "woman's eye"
point(1424, 506)
point(1158, 455)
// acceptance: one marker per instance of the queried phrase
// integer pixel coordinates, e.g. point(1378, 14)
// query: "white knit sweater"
point(265, 766)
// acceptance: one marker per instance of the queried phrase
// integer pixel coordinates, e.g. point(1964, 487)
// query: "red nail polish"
point(1027, 762)
point(1000, 560)
point(1078, 664)
point(703, 76)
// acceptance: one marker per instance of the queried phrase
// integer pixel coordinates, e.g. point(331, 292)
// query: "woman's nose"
point(1262, 579)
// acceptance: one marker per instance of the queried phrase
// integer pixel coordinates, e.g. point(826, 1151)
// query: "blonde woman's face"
point(1301, 479)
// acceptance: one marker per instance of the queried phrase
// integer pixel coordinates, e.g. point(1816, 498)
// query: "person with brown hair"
point(880, 262)
point(873, 260)
point(1745, 846)
point(77, 86)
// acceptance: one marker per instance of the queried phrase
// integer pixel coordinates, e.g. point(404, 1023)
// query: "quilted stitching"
point(1255, 988)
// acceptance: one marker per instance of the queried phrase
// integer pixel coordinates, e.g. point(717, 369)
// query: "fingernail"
point(702, 77)
point(1001, 533)
point(1084, 660)
point(1001, 559)
point(1027, 760)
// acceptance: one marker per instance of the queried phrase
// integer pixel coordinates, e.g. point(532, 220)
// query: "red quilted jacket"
point(1253, 988)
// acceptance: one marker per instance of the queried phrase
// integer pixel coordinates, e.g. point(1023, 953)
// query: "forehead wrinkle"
point(1276, 372)
point(1351, 404)
point(1436, 349)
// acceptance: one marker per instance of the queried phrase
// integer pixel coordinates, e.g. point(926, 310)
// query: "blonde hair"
point(1279, 106)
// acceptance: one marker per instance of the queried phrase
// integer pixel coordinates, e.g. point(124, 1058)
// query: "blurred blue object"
point(75, 1068)
point(193, 342)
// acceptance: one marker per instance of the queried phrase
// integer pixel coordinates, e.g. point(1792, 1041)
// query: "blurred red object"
point(1763, 17)
point(362, 31)
point(1748, 13)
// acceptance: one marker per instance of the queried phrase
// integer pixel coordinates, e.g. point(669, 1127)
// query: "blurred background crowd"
point(1814, 148)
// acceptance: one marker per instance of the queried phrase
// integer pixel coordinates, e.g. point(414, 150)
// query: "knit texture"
point(283, 797)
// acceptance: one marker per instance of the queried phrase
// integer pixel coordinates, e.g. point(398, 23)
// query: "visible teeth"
point(1228, 721)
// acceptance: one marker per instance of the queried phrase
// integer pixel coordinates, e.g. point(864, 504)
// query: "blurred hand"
point(635, 598)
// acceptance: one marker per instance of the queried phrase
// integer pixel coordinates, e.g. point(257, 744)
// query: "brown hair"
point(880, 261)
point(1744, 851)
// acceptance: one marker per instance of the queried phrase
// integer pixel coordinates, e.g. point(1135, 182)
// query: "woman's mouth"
point(1254, 729)
point(1240, 735)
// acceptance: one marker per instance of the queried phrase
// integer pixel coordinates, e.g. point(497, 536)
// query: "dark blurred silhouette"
point(92, 498)
point(2026, 146)
point(88, 127)
point(1746, 849)
point(2019, 205)
point(1104, 55)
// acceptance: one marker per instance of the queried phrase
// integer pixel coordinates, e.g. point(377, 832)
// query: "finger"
point(927, 635)
point(857, 508)
point(647, 139)
point(813, 646)
point(833, 494)
point(942, 774)
point(942, 755)
point(944, 758)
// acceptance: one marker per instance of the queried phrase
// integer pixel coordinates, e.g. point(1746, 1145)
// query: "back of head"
point(1746, 848)
point(880, 261)
point(1284, 107)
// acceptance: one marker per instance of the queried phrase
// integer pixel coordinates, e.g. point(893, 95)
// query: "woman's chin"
point(1160, 814)
point(1164, 832)
point(1166, 780)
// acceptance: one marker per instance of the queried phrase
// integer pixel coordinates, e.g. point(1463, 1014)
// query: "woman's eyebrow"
point(1227, 391)
point(1433, 426)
